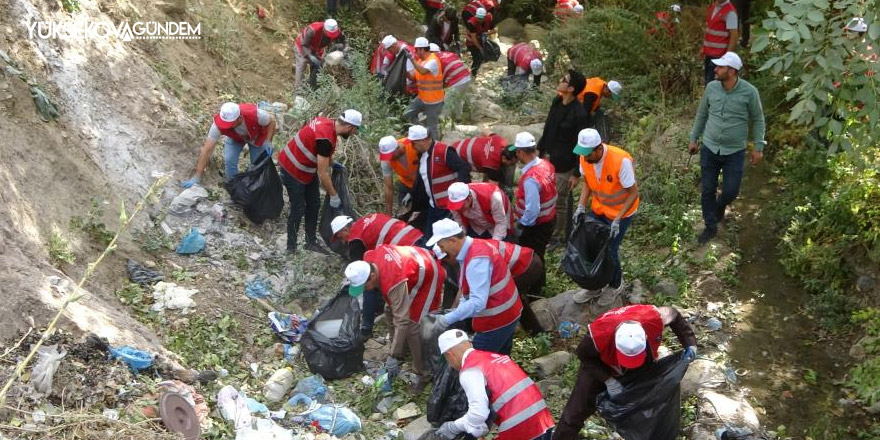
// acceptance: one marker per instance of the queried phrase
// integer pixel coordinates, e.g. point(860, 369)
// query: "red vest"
point(454, 71)
point(300, 158)
point(544, 173)
point(564, 8)
point(522, 55)
point(717, 36)
point(482, 152)
point(256, 132)
point(377, 229)
point(518, 257)
point(603, 328)
point(471, 8)
point(484, 192)
point(317, 29)
point(435, 4)
point(440, 174)
point(504, 305)
point(381, 54)
point(414, 266)
point(666, 20)
point(480, 26)
point(517, 401)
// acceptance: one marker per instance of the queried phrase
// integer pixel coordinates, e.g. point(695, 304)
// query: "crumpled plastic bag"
point(44, 370)
point(264, 429)
point(171, 296)
point(289, 327)
point(139, 274)
point(336, 419)
point(135, 359)
point(233, 407)
point(193, 243)
point(312, 386)
point(258, 288)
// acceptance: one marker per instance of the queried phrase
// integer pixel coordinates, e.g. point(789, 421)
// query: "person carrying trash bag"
point(411, 281)
point(312, 43)
point(398, 157)
point(620, 342)
point(611, 185)
point(495, 381)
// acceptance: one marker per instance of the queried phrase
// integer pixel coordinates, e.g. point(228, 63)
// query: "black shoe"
point(315, 247)
point(707, 235)
point(720, 211)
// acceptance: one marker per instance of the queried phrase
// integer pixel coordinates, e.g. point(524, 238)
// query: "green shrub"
point(59, 248)
point(208, 343)
point(92, 224)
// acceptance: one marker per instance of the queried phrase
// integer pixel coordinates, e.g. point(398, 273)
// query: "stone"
point(408, 411)
point(375, 417)
point(858, 350)
point(511, 28)
point(710, 286)
point(702, 373)
point(534, 32)
point(387, 17)
point(701, 433)
point(551, 311)
point(172, 7)
point(546, 384)
point(451, 137)
point(666, 287)
point(728, 410)
point(546, 366)
point(187, 200)
point(417, 428)
point(865, 283)
point(873, 409)
point(509, 131)
point(490, 111)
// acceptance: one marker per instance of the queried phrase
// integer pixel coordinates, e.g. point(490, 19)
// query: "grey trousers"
point(432, 113)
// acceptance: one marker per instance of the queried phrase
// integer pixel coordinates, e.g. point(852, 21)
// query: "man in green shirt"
point(721, 130)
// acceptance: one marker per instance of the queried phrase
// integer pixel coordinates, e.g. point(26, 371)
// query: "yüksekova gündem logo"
point(124, 31)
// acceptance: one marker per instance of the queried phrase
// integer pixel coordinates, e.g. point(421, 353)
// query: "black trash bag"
point(448, 400)
point(141, 275)
point(586, 258)
point(395, 77)
point(258, 190)
point(491, 50)
point(339, 176)
point(429, 332)
point(649, 408)
point(335, 355)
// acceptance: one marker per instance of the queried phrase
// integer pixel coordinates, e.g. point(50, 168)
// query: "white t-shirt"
point(431, 65)
point(627, 175)
point(423, 170)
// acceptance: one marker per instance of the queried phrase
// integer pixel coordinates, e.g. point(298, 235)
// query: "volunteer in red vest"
point(535, 206)
point(242, 124)
point(311, 45)
point(488, 155)
point(596, 89)
point(305, 162)
point(528, 275)
point(668, 20)
point(611, 185)
point(426, 71)
point(411, 282)
point(493, 380)
point(523, 59)
point(488, 294)
point(385, 54)
point(443, 30)
point(619, 341)
point(481, 208)
point(370, 231)
point(477, 28)
point(439, 167)
point(565, 8)
point(432, 8)
point(470, 9)
point(456, 78)
point(722, 34)
point(398, 157)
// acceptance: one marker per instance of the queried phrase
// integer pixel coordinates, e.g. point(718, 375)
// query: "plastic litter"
point(288, 352)
point(258, 288)
point(714, 324)
point(336, 419)
point(732, 433)
point(258, 190)
point(264, 429)
point(233, 407)
point(568, 329)
point(289, 327)
point(340, 356)
point(730, 375)
point(135, 359)
point(139, 274)
point(278, 385)
point(299, 399)
point(184, 202)
point(171, 296)
point(188, 393)
point(585, 258)
point(110, 414)
point(45, 107)
point(256, 407)
point(44, 370)
point(193, 243)
point(312, 386)
point(339, 176)
point(448, 400)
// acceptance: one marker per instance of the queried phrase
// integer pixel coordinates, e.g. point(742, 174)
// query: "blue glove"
point(189, 183)
point(613, 387)
point(689, 354)
point(447, 430)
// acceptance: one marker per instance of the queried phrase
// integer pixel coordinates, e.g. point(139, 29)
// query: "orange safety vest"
point(596, 86)
point(503, 306)
point(717, 37)
point(544, 173)
point(378, 229)
point(406, 166)
point(414, 266)
point(256, 132)
point(300, 158)
point(518, 258)
point(608, 194)
point(483, 192)
point(430, 86)
point(521, 411)
point(603, 328)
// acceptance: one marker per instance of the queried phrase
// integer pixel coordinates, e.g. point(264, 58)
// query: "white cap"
point(388, 41)
point(352, 117)
point(615, 87)
point(444, 228)
point(331, 27)
point(434, 47)
point(588, 139)
point(524, 139)
point(458, 192)
point(451, 338)
point(480, 13)
point(357, 274)
point(857, 24)
point(340, 222)
point(537, 66)
point(438, 252)
point(229, 112)
point(387, 145)
point(630, 341)
point(675, 8)
point(729, 59)
point(578, 9)
point(417, 133)
point(421, 42)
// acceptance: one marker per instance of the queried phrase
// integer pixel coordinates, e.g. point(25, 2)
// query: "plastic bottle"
point(278, 385)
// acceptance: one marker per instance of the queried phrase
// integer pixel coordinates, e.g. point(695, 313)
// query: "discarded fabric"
point(171, 296)
point(290, 327)
point(44, 370)
point(184, 202)
point(136, 360)
point(193, 243)
point(139, 274)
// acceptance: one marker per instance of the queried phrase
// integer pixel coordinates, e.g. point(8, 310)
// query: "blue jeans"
point(498, 340)
point(711, 165)
point(615, 246)
point(232, 151)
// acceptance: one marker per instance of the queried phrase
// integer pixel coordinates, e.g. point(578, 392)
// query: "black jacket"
point(561, 129)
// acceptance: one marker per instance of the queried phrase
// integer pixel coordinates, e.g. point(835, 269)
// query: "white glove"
point(615, 227)
point(406, 200)
point(335, 201)
point(580, 210)
point(613, 387)
point(447, 430)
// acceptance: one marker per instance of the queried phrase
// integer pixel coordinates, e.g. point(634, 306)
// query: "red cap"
point(454, 206)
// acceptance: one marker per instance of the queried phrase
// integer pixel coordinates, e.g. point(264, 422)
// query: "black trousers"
point(743, 12)
point(529, 283)
point(304, 202)
point(538, 237)
point(477, 56)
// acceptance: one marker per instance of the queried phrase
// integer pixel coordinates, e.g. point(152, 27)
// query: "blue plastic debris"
point(290, 328)
point(193, 243)
point(312, 386)
point(299, 399)
point(568, 329)
point(336, 419)
point(135, 359)
point(257, 288)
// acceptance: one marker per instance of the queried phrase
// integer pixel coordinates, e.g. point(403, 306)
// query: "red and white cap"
point(229, 113)
point(331, 28)
point(458, 192)
point(631, 342)
point(387, 146)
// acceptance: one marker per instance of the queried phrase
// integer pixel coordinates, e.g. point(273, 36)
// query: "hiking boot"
point(707, 235)
point(582, 296)
point(418, 385)
point(315, 247)
point(608, 295)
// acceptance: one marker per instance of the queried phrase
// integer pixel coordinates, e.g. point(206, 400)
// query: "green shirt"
point(723, 118)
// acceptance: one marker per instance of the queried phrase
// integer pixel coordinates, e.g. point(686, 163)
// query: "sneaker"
point(418, 385)
point(315, 247)
point(609, 295)
point(707, 235)
point(584, 295)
